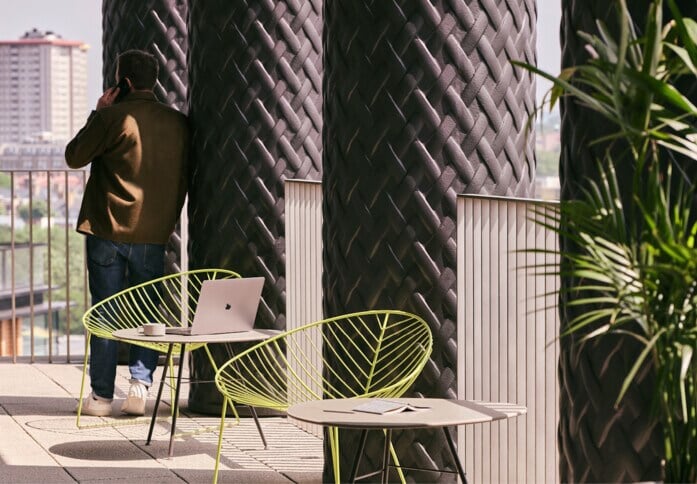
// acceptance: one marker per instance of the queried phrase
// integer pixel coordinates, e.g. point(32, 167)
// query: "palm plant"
point(631, 255)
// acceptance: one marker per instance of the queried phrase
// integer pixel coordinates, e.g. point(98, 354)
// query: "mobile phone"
point(123, 90)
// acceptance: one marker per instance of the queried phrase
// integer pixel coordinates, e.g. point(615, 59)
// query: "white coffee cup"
point(154, 329)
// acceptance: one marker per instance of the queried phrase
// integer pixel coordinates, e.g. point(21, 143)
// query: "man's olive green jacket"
point(139, 150)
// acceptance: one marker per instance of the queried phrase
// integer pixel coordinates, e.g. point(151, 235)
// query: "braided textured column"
point(255, 108)
point(155, 26)
point(599, 443)
point(420, 103)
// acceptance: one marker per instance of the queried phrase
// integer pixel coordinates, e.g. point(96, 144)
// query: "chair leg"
point(453, 452)
point(220, 441)
point(84, 377)
point(256, 421)
point(400, 472)
point(386, 456)
point(359, 454)
point(334, 446)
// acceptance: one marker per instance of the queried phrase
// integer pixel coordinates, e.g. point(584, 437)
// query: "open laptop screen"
point(225, 306)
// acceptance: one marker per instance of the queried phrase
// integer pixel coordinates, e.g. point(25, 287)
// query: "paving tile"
point(304, 477)
point(22, 380)
point(125, 473)
point(40, 442)
point(236, 476)
point(33, 474)
point(18, 448)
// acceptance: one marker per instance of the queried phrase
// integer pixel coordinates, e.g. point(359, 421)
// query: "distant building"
point(43, 87)
point(32, 156)
point(547, 188)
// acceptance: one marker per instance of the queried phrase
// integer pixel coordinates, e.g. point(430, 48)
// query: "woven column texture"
point(255, 107)
point(155, 26)
point(420, 103)
point(598, 443)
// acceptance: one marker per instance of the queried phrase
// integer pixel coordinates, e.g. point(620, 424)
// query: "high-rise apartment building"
point(43, 87)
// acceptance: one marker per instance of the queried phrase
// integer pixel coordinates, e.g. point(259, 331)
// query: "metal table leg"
point(256, 421)
point(453, 451)
point(359, 454)
point(159, 394)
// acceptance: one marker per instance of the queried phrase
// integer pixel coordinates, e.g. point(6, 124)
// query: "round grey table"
point(432, 413)
point(136, 334)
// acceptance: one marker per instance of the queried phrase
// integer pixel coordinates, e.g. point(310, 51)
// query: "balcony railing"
point(43, 277)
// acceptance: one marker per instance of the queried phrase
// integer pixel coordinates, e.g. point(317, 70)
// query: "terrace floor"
point(39, 441)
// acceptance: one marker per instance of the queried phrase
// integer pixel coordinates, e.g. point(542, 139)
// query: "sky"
point(548, 48)
point(81, 20)
point(71, 19)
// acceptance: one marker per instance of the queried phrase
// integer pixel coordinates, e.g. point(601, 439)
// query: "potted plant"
point(630, 249)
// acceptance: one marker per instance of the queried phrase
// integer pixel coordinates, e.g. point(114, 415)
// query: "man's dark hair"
point(140, 67)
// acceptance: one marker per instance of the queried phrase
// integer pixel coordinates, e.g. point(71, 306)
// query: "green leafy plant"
point(631, 254)
point(38, 210)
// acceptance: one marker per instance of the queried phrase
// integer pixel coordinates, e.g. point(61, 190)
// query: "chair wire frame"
point(376, 353)
point(170, 299)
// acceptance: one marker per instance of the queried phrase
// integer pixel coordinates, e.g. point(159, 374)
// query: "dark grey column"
point(255, 106)
point(156, 26)
point(597, 442)
point(421, 103)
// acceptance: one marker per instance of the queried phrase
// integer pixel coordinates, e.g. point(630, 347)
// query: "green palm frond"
point(631, 267)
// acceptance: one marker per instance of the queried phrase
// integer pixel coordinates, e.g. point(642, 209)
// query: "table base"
point(386, 459)
point(175, 404)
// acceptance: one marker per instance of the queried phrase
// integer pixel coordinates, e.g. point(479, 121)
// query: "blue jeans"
point(112, 267)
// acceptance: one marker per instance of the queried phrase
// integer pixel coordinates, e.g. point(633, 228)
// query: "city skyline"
point(77, 20)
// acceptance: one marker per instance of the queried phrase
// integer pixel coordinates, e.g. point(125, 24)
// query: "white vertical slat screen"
point(303, 216)
point(507, 327)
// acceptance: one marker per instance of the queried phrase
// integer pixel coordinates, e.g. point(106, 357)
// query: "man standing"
point(138, 148)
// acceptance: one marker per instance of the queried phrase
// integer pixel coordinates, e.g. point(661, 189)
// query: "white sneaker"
point(96, 406)
point(135, 402)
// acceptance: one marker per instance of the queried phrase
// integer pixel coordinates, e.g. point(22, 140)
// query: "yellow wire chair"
point(170, 299)
point(366, 354)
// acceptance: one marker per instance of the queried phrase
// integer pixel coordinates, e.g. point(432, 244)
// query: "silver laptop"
point(225, 306)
